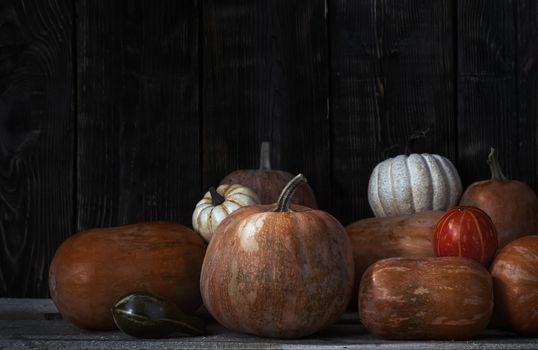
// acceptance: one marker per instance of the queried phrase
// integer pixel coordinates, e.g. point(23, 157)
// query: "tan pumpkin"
point(512, 205)
point(92, 269)
point(515, 286)
point(277, 271)
point(413, 183)
point(218, 204)
point(268, 183)
point(426, 298)
point(374, 239)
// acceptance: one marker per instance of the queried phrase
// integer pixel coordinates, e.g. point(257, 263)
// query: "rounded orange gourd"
point(277, 271)
point(515, 286)
point(512, 205)
point(268, 182)
point(91, 270)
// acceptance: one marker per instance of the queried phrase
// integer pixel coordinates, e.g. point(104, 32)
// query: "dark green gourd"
point(144, 315)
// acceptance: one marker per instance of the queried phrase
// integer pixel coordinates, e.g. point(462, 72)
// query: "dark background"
point(115, 112)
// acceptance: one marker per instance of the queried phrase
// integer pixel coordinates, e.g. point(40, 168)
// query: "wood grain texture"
point(527, 73)
point(36, 140)
point(487, 92)
point(138, 129)
point(265, 78)
point(392, 68)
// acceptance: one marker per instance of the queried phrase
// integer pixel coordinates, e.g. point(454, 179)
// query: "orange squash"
point(268, 182)
point(426, 298)
point(91, 270)
point(277, 271)
point(515, 286)
point(512, 205)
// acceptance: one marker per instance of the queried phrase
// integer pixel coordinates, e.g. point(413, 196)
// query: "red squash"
point(468, 232)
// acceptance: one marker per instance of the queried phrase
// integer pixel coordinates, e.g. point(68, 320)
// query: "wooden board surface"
point(138, 130)
point(36, 140)
point(265, 79)
point(52, 333)
point(392, 68)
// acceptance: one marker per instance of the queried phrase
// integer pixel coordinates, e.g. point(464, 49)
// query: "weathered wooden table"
point(36, 324)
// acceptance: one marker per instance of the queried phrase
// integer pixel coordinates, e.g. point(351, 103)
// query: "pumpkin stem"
point(265, 156)
point(417, 135)
point(495, 167)
point(284, 200)
point(216, 198)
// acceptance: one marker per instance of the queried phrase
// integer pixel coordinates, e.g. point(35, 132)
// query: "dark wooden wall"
point(120, 111)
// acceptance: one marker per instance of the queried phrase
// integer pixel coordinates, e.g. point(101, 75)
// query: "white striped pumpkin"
point(218, 204)
point(413, 183)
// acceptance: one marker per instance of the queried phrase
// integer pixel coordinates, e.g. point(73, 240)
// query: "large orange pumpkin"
point(277, 271)
point(512, 205)
point(515, 286)
point(91, 270)
point(268, 183)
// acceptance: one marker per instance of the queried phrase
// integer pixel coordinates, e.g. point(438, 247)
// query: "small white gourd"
point(218, 204)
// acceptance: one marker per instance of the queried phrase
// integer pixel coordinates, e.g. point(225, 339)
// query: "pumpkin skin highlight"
point(92, 269)
point(268, 183)
point(277, 274)
point(426, 298)
point(515, 286)
point(512, 205)
point(374, 239)
point(468, 232)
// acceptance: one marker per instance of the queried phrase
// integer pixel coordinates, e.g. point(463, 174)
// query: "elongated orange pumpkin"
point(277, 271)
point(515, 286)
point(426, 298)
point(91, 270)
point(468, 232)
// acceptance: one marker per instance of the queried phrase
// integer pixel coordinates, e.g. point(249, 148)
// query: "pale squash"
point(217, 204)
point(413, 183)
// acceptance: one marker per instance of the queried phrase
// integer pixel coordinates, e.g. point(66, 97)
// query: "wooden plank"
point(265, 78)
point(42, 333)
point(392, 65)
point(138, 123)
point(487, 93)
point(28, 309)
point(527, 73)
point(36, 140)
